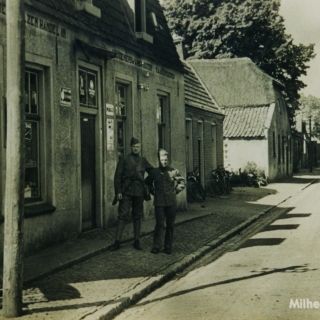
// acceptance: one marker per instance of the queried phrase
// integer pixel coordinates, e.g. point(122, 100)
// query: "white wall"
point(237, 153)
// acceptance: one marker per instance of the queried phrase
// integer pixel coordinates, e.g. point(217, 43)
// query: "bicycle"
point(195, 191)
point(220, 182)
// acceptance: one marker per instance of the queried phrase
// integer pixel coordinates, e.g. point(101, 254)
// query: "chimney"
point(179, 43)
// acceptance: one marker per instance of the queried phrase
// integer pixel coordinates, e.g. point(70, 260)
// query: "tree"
point(310, 111)
point(215, 29)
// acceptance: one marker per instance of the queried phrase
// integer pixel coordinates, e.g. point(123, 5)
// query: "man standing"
point(129, 191)
point(165, 182)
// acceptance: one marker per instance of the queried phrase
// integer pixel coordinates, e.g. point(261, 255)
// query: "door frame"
point(99, 143)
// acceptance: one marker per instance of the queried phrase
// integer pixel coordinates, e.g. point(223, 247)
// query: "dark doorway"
point(200, 159)
point(287, 158)
point(88, 171)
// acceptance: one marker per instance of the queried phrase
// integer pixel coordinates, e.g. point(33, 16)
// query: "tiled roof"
point(196, 94)
point(113, 27)
point(245, 122)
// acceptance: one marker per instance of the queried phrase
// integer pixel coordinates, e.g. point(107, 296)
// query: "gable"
point(196, 94)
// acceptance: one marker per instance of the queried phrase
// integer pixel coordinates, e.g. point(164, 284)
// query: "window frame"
point(124, 118)
point(165, 123)
point(38, 118)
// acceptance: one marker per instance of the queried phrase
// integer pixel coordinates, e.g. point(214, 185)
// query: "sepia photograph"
point(159, 159)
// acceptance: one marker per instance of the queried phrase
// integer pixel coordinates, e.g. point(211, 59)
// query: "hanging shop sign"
point(65, 97)
point(110, 109)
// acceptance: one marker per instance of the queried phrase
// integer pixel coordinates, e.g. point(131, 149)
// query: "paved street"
point(109, 282)
point(258, 280)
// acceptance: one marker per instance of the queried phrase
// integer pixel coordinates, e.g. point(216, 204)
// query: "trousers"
point(127, 203)
point(165, 218)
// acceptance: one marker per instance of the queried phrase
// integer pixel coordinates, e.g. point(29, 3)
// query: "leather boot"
point(136, 230)
point(119, 230)
point(136, 245)
point(115, 246)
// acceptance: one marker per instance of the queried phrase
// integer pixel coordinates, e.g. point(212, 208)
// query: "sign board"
point(110, 109)
point(65, 97)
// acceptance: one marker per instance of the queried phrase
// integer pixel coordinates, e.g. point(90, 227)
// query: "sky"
point(302, 21)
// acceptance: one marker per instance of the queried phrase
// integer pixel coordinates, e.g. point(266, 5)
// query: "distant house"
point(256, 127)
point(204, 123)
point(204, 127)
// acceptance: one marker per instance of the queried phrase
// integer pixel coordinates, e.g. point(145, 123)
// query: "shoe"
point(167, 251)
point(155, 250)
point(136, 245)
point(115, 246)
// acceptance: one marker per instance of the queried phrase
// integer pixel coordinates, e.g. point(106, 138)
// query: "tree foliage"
point(310, 111)
point(215, 29)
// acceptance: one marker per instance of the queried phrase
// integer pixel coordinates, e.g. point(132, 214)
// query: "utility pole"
point(15, 155)
point(310, 146)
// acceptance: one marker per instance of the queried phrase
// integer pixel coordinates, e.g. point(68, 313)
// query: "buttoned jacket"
point(163, 182)
point(129, 175)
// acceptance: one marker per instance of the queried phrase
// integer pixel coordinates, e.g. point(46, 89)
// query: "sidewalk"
point(227, 218)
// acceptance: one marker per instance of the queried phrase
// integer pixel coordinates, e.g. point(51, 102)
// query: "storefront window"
point(121, 106)
point(32, 125)
point(161, 121)
point(87, 88)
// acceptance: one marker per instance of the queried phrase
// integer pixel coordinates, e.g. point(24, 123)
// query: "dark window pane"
point(82, 87)
point(34, 93)
point(32, 175)
point(121, 101)
point(27, 102)
point(121, 137)
point(92, 93)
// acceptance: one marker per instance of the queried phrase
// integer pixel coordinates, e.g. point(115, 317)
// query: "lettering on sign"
point(133, 60)
point(165, 73)
point(46, 26)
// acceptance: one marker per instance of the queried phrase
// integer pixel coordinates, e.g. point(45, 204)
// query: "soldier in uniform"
point(129, 190)
point(165, 182)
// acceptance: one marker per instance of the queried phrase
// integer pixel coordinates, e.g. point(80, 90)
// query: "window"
point(279, 149)
point(274, 144)
point(32, 189)
point(189, 145)
point(161, 121)
point(88, 88)
point(283, 142)
point(140, 23)
point(121, 113)
point(214, 145)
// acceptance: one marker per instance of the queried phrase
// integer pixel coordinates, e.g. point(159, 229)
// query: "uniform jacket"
point(162, 182)
point(127, 180)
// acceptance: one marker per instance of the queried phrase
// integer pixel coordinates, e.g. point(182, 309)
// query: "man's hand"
point(119, 196)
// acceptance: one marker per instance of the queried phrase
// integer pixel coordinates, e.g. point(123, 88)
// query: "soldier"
point(129, 191)
point(165, 182)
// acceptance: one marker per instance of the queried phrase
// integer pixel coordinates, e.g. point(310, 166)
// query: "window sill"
point(35, 210)
point(144, 36)
point(88, 7)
